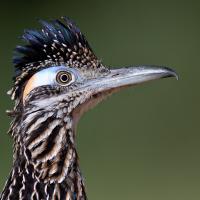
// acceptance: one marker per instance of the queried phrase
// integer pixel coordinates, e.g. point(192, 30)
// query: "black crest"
point(59, 41)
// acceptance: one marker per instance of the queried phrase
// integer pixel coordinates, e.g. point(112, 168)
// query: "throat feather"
point(46, 162)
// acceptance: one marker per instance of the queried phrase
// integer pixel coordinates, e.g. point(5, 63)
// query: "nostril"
point(115, 75)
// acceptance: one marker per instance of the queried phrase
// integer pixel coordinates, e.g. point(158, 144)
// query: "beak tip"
point(177, 77)
point(171, 73)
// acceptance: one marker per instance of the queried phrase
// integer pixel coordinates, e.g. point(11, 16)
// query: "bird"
point(57, 79)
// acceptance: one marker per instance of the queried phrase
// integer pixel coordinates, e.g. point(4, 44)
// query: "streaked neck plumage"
point(45, 159)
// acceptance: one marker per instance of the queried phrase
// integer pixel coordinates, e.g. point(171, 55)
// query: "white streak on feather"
point(10, 187)
point(45, 134)
point(66, 165)
point(56, 148)
point(38, 122)
point(23, 187)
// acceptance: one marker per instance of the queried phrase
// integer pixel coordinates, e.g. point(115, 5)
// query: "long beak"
point(124, 77)
point(100, 88)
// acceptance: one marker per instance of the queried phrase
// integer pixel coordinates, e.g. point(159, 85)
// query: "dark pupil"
point(64, 77)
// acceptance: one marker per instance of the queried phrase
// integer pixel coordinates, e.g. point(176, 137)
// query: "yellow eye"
point(63, 77)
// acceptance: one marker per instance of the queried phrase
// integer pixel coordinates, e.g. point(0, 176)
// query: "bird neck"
point(45, 162)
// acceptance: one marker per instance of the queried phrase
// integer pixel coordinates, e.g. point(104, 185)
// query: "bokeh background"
point(144, 142)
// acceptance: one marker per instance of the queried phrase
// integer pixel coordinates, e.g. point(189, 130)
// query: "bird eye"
point(64, 78)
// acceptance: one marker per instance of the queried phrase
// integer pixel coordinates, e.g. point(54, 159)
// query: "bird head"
point(58, 71)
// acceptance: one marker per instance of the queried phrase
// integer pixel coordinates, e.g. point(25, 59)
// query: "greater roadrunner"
point(58, 78)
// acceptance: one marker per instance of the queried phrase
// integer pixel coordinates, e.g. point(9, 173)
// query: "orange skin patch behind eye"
point(29, 86)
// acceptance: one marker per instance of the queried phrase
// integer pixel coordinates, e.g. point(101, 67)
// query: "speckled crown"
point(58, 42)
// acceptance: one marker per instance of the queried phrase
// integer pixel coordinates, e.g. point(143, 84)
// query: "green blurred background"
point(144, 142)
